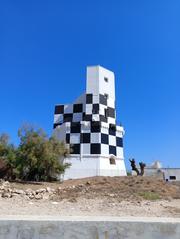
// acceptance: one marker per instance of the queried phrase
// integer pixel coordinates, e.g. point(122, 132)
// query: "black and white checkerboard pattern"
point(85, 132)
point(96, 108)
point(94, 138)
point(100, 108)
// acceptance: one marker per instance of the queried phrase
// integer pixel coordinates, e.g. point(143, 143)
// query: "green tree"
point(39, 157)
point(7, 158)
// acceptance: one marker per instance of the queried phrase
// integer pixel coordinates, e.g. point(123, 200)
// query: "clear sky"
point(45, 47)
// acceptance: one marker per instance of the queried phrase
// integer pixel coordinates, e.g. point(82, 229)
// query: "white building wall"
point(170, 173)
point(92, 83)
point(89, 166)
point(82, 167)
point(106, 87)
point(107, 169)
point(96, 83)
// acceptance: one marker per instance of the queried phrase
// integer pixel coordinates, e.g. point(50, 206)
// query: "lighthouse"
point(88, 127)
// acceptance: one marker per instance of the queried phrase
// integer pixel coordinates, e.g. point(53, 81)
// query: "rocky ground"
point(117, 196)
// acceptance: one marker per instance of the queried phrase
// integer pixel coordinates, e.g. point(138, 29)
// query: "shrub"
point(7, 158)
point(39, 157)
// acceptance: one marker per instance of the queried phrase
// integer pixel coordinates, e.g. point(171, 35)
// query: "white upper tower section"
point(100, 81)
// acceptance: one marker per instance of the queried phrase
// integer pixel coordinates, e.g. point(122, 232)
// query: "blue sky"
point(45, 47)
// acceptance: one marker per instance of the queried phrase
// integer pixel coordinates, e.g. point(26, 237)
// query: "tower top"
point(100, 81)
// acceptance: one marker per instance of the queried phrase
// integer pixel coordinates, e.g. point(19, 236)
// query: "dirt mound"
point(119, 188)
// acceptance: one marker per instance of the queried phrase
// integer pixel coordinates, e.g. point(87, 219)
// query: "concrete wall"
point(162, 173)
point(88, 228)
point(171, 172)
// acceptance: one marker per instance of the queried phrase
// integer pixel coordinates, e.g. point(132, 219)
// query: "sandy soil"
point(99, 196)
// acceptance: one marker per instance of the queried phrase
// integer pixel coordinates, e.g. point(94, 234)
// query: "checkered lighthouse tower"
point(89, 127)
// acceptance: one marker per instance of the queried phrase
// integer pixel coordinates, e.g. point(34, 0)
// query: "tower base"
point(91, 166)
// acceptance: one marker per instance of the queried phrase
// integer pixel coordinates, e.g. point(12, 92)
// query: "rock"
point(34, 193)
point(18, 191)
point(53, 190)
point(28, 191)
point(111, 195)
point(38, 196)
point(88, 183)
point(14, 194)
point(6, 184)
point(45, 196)
point(1, 181)
point(41, 190)
point(80, 185)
point(26, 197)
point(6, 195)
point(48, 189)
point(73, 200)
point(31, 196)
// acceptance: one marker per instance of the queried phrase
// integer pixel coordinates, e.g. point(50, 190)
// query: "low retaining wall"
point(88, 228)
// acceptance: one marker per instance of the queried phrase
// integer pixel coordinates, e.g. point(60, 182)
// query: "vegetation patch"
point(152, 196)
point(36, 158)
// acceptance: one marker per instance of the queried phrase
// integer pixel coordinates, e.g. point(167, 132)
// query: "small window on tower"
point(106, 79)
point(112, 160)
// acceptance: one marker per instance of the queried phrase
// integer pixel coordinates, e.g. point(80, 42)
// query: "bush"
point(7, 158)
point(37, 158)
